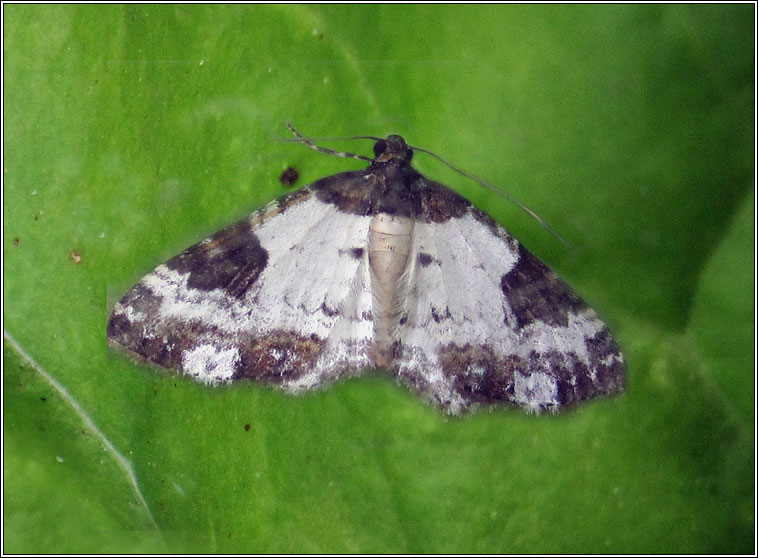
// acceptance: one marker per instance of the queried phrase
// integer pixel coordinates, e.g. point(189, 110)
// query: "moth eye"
point(380, 147)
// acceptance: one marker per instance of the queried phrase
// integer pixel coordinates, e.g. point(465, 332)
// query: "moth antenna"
point(300, 138)
point(525, 208)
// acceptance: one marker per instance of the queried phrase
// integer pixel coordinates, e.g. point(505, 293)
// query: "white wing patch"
point(457, 289)
point(208, 364)
point(310, 271)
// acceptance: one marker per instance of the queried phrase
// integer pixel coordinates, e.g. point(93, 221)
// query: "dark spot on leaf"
point(289, 176)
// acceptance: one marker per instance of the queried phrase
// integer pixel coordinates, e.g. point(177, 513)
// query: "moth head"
point(393, 147)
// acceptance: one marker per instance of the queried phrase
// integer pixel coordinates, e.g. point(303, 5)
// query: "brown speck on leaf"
point(289, 176)
point(75, 257)
point(247, 427)
point(16, 241)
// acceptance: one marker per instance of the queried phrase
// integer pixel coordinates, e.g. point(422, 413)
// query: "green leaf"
point(134, 131)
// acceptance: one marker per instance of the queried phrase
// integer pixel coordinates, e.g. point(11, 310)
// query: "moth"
point(376, 268)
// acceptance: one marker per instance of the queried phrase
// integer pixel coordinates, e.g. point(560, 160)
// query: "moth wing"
point(283, 296)
point(485, 322)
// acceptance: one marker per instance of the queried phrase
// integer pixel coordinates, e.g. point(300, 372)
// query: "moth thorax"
point(389, 242)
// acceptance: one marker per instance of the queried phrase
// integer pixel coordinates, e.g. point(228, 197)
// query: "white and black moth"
point(377, 268)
